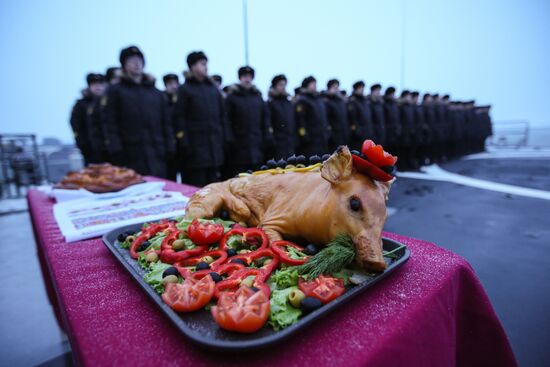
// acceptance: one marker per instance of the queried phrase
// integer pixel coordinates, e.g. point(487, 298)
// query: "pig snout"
point(369, 253)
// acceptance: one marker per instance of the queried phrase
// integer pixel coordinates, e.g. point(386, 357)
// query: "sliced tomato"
point(243, 311)
point(190, 296)
point(377, 155)
point(324, 288)
point(203, 234)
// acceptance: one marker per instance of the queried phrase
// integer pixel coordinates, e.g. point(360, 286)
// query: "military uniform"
point(248, 119)
point(137, 126)
point(378, 119)
point(360, 121)
point(201, 130)
point(86, 128)
point(407, 144)
point(337, 118)
point(312, 124)
point(281, 112)
point(393, 123)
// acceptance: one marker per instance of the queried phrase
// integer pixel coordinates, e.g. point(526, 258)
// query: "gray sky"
point(493, 51)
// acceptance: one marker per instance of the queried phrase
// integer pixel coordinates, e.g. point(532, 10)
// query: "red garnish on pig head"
point(374, 162)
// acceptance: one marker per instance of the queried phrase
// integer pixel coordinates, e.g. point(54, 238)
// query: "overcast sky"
point(493, 51)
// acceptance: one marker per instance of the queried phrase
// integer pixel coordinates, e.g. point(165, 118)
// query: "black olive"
point(291, 160)
point(202, 266)
point(388, 169)
point(325, 157)
point(271, 163)
point(170, 271)
point(216, 277)
point(143, 246)
point(361, 155)
point(281, 163)
point(249, 171)
point(121, 237)
point(254, 289)
point(310, 304)
point(264, 167)
point(238, 261)
point(224, 214)
point(301, 159)
point(355, 204)
point(355, 152)
point(310, 249)
point(231, 252)
point(314, 159)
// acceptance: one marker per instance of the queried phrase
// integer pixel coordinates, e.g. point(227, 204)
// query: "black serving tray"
point(200, 327)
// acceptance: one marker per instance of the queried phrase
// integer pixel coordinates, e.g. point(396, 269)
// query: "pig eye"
point(355, 204)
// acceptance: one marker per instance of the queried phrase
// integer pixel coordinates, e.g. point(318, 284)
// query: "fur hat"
point(358, 84)
point(94, 78)
point(307, 81)
point(130, 51)
point(277, 78)
point(195, 57)
point(246, 70)
point(169, 77)
point(331, 82)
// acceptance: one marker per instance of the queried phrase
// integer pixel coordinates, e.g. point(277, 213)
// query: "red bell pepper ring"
point(366, 167)
point(222, 270)
point(169, 256)
point(148, 233)
point(246, 233)
point(235, 280)
point(220, 256)
point(279, 247)
point(249, 257)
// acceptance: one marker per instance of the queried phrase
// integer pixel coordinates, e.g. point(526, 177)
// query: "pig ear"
point(385, 186)
point(338, 167)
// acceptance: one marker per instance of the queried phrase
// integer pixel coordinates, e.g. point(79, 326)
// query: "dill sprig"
point(339, 253)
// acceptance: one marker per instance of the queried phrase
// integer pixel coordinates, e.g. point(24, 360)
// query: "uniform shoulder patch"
point(103, 101)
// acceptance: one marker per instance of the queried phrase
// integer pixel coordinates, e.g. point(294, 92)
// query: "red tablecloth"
point(431, 312)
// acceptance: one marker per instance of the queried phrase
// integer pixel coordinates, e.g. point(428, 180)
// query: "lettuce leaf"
point(282, 314)
point(154, 276)
point(284, 278)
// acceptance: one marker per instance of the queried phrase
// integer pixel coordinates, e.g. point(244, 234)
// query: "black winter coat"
point(393, 121)
point(378, 120)
point(360, 121)
point(281, 112)
point(86, 128)
point(422, 133)
point(201, 118)
point(312, 124)
point(407, 115)
point(138, 131)
point(429, 116)
point(337, 118)
point(248, 119)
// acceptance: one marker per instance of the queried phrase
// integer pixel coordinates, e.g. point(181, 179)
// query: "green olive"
point(178, 245)
point(170, 279)
point(152, 257)
point(208, 259)
point(130, 239)
point(296, 296)
point(248, 281)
